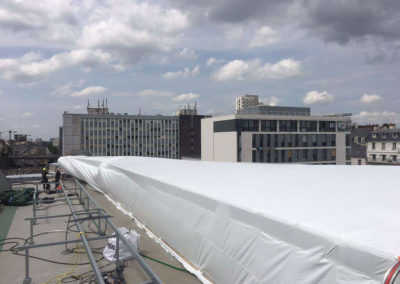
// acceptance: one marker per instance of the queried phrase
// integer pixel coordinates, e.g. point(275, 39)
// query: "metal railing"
point(94, 213)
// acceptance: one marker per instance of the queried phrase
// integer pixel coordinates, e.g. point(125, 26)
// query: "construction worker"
point(57, 178)
point(45, 180)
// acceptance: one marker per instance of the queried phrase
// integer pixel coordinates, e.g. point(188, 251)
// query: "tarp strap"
point(392, 273)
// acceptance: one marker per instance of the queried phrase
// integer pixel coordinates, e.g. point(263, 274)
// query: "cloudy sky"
point(155, 55)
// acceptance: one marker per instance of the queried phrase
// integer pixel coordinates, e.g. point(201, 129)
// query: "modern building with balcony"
point(383, 147)
point(285, 135)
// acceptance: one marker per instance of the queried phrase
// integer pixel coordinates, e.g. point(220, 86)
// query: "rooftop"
point(47, 262)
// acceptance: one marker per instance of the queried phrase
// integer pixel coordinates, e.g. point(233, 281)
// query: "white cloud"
point(1, 119)
point(27, 114)
point(185, 73)
point(187, 54)
point(154, 93)
point(253, 69)
point(315, 97)
point(272, 101)
point(132, 30)
point(127, 30)
point(66, 89)
point(376, 117)
point(370, 98)
point(78, 107)
point(32, 67)
point(89, 91)
point(212, 60)
point(186, 97)
point(264, 36)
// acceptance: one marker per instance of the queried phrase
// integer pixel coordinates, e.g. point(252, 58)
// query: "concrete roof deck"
point(12, 266)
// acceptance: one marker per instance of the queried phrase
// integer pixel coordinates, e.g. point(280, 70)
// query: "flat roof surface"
point(12, 267)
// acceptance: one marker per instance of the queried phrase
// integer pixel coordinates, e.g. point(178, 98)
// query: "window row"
point(293, 140)
point(383, 146)
point(294, 155)
point(254, 125)
point(384, 158)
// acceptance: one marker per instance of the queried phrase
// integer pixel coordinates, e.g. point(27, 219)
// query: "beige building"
point(383, 147)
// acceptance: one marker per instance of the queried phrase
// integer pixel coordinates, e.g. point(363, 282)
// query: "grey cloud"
point(233, 11)
point(337, 21)
point(344, 20)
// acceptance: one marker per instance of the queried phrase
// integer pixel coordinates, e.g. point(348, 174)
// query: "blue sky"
point(334, 56)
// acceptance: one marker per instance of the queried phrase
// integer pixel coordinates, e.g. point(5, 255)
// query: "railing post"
point(27, 279)
point(35, 196)
point(31, 238)
point(117, 249)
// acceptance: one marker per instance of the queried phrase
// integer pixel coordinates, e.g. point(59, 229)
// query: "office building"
point(190, 133)
point(285, 135)
point(246, 101)
point(101, 133)
point(383, 146)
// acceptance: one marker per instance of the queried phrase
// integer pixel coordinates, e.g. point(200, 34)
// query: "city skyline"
point(331, 56)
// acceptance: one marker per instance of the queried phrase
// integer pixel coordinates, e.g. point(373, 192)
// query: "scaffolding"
point(92, 211)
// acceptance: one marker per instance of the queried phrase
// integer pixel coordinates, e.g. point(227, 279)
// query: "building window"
point(327, 126)
point(394, 146)
point(248, 125)
point(344, 126)
point(356, 140)
point(288, 125)
point(359, 162)
point(384, 135)
point(308, 126)
point(383, 146)
point(268, 125)
point(394, 158)
point(373, 157)
point(383, 158)
point(348, 138)
point(374, 135)
point(394, 135)
point(362, 140)
point(373, 145)
point(314, 140)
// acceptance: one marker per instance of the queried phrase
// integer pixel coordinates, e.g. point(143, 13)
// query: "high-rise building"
point(101, 133)
point(246, 101)
point(277, 135)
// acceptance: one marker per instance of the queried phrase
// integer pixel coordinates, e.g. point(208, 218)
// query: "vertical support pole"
point(35, 196)
point(32, 241)
point(27, 279)
point(99, 226)
point(117, 250)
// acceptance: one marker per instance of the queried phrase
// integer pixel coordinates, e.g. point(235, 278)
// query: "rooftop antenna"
point(103, 103)
point(98, 103)
point(88, 102)
point(188, 106)
point(195, 105)
point(106, 102)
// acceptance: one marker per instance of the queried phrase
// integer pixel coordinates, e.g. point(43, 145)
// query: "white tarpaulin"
point(260, 223)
